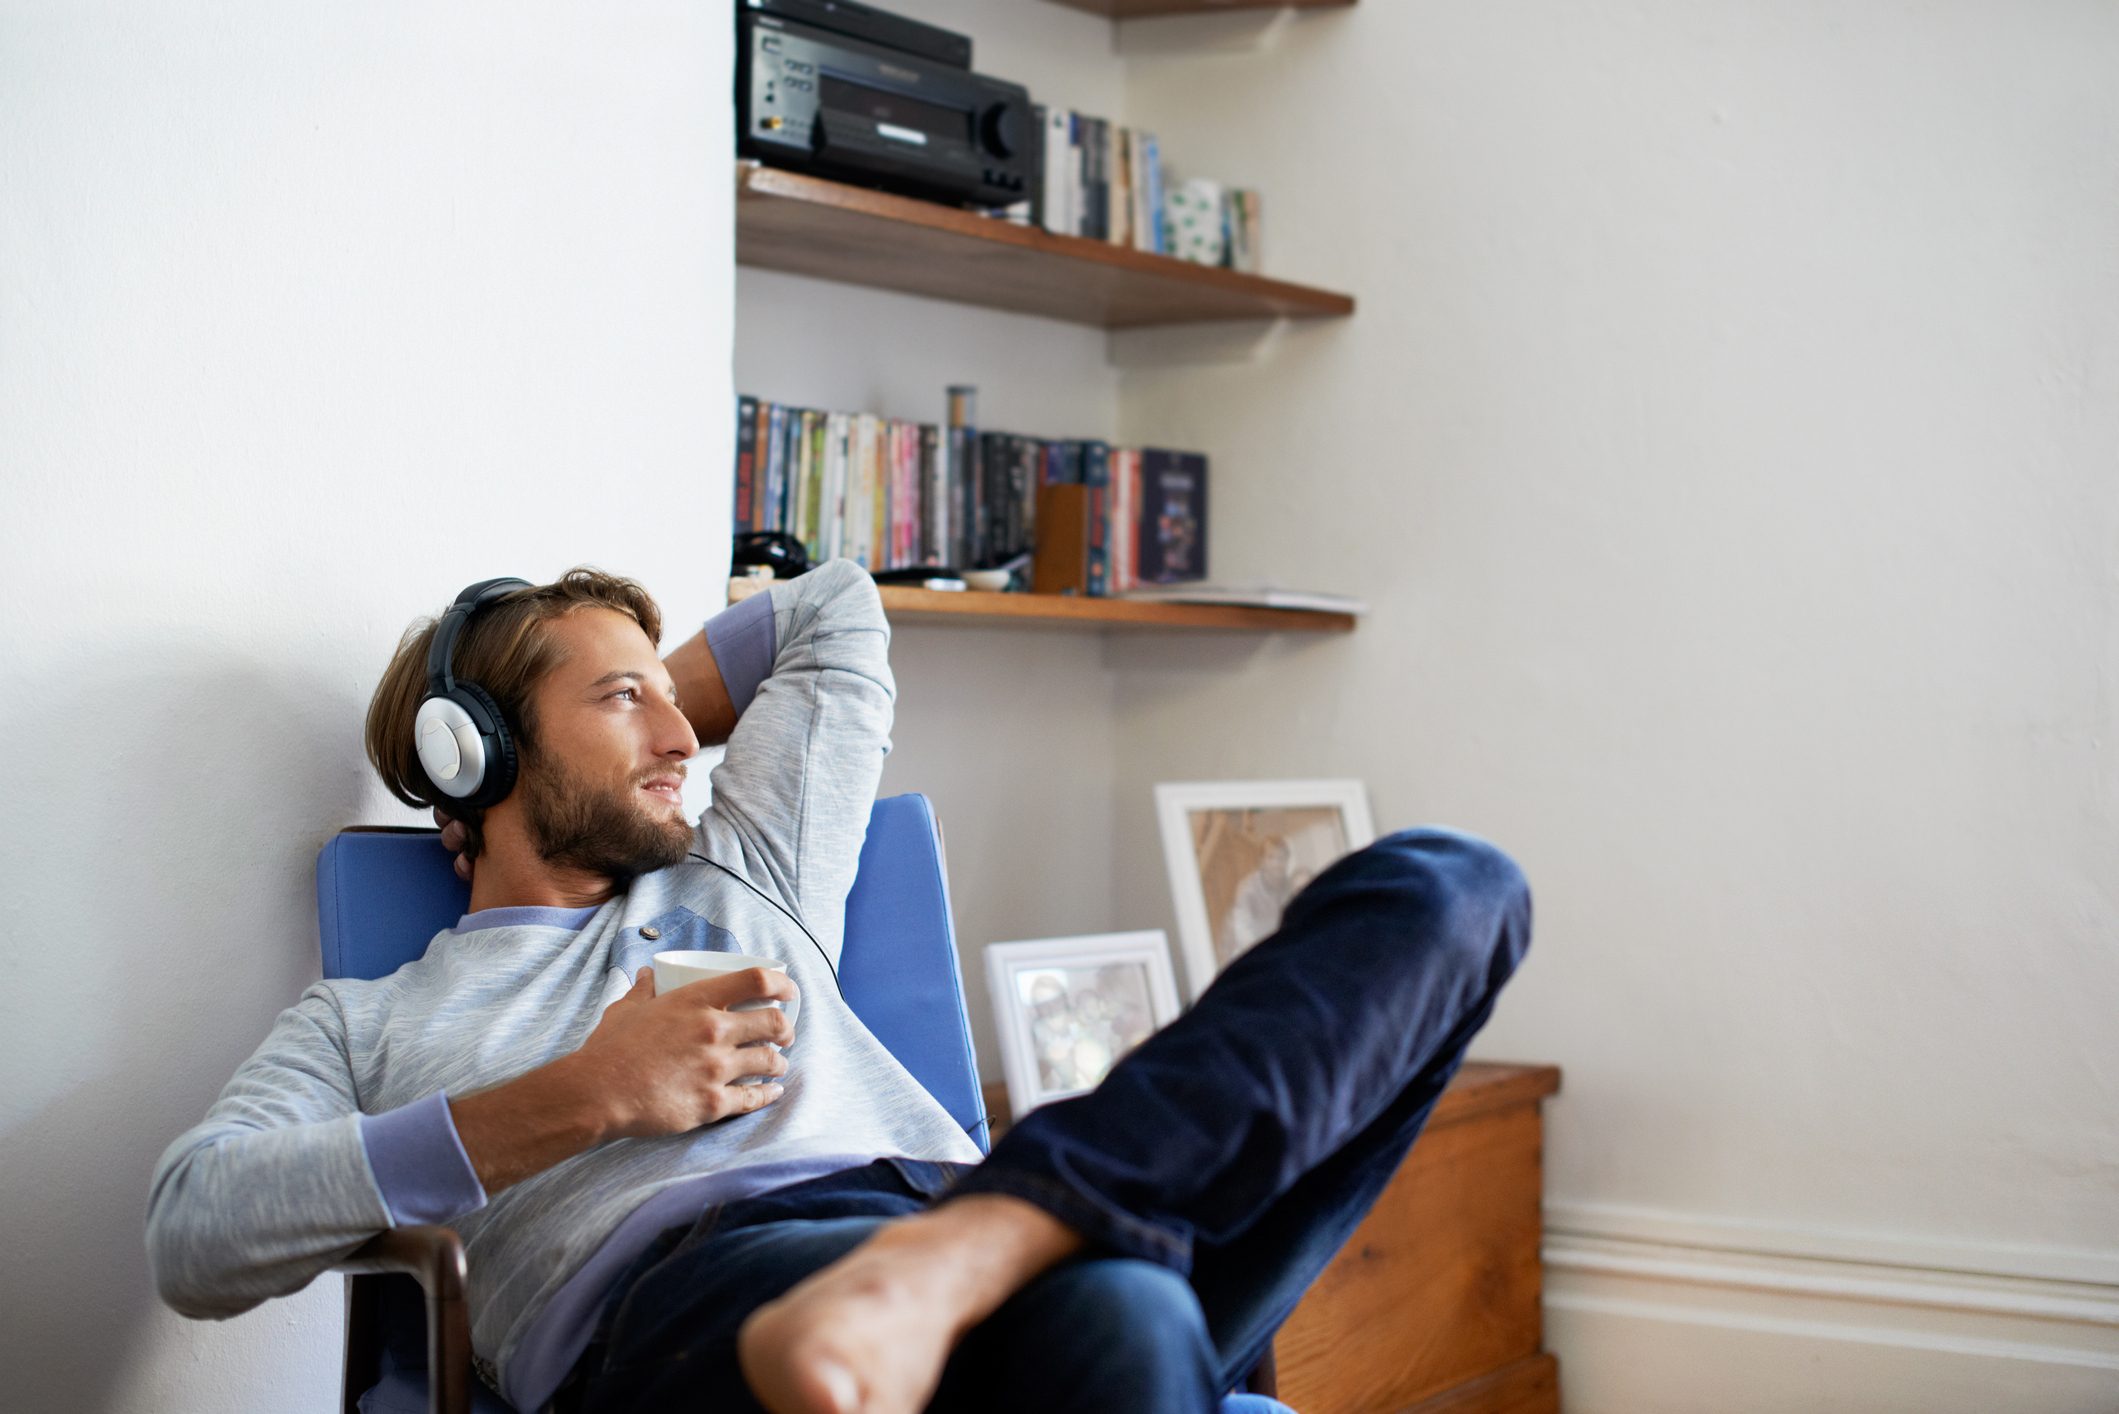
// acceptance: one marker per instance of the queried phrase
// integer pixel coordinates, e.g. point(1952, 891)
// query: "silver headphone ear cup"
point(497, 757)
point(451, 748)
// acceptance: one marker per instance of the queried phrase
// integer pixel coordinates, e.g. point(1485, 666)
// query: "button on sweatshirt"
point(338, 1126)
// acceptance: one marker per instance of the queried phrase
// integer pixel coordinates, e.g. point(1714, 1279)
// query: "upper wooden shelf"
point(1138, 9)
point(906, 604)
point(808, 226)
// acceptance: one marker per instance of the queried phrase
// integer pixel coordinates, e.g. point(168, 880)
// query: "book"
point(904, 497)
point(1096, 475)
point(890, 493)
point(969, 502)
point(887, 496)
point(772, 426)
point(1011, 476)
point(1033, 478)
point(1172, 522)
point(1077, 174)
point(861, 485)
point(1055, 214)
point(910, 511)
point(812, 473)
point(1121, 186)
point(838, 435)
point(993, 475)
point(895, 498)
point(1152, 195)
point(746, 464)
point(934, 502)
point(1133, 498)
point(1125, 538)
point(1096, 178)
point(895, 495)
point(772, 423)
point(1242, 222)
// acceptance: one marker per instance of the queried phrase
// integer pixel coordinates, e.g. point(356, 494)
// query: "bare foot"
point(870, 1333)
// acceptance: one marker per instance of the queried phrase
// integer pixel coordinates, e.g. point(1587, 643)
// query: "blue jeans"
point(1214, 1173)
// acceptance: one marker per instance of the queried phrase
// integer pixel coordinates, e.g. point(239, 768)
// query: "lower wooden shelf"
point(906, 604)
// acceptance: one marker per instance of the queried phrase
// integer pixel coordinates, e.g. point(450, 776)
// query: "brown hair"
point(505, 650)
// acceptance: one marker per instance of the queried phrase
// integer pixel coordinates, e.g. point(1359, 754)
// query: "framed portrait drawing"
point(1237, 851)
point(1067, 1009)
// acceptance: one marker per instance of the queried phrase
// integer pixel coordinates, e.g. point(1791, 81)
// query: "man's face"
point(600, 789)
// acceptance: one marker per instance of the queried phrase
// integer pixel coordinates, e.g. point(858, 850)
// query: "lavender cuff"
point(744, 642)
point(420, 1163)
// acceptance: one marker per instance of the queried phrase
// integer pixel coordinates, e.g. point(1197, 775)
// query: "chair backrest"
point(382, 895)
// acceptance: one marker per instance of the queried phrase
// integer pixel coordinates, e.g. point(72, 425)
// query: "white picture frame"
point(1106, 993)
point(1230, 900)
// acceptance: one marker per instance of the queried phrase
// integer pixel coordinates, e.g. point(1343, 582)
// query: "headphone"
point(462, 738)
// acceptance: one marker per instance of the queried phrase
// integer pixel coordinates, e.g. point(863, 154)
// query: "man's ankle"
point(995, 1243)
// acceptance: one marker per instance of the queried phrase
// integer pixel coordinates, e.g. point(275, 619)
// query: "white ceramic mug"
point(676, 969)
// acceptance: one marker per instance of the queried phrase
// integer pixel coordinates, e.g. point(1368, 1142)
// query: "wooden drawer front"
point(1439, 1287)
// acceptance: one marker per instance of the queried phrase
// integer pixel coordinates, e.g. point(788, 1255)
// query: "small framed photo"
point(1237, 851)
point(1067, 1009)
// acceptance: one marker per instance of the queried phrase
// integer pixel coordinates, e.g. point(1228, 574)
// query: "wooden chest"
point(1434, 1303)
point(1433, 1306)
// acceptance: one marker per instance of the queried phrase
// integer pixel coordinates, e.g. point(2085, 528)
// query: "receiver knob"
point(999, 128)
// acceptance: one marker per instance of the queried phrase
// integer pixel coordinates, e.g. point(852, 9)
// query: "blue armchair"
point(381, 894)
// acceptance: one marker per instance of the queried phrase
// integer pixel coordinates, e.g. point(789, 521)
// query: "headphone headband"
point(441, 652)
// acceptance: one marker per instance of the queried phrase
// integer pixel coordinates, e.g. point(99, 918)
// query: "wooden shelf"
point(905, 604)
point(808, 226)
point(1138, 9)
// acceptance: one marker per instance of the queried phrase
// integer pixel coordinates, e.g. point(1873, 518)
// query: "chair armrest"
point(434, 1257)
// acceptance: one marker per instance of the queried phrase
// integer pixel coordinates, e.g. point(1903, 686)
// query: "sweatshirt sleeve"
point(277, 1182)
point(792, 795)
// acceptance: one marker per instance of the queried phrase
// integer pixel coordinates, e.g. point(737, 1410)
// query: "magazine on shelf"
point(1255, 596)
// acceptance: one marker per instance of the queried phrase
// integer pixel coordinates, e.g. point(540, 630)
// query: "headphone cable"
point(829, 967)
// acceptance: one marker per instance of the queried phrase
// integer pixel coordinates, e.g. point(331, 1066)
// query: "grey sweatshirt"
point(338, 1126)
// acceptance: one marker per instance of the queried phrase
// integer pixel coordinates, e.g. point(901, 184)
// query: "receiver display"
point(844, 96)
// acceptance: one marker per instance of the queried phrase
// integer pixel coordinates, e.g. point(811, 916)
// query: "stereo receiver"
point(855, 93)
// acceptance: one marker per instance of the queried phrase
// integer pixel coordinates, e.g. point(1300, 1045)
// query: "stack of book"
point(892, 494)
point(1105, 182)
point(1101, 181)
point(1135, 517)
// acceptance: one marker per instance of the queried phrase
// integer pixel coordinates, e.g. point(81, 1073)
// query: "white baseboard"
point(1652, 1312)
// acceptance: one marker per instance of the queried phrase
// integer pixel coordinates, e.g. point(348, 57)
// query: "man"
point(646, 1230)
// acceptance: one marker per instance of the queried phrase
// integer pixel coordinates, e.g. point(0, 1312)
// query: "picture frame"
point(1237, 851)
point(1067, 1009)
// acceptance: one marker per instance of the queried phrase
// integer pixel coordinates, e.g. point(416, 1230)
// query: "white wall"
point(308, 316)
point(1726, 442)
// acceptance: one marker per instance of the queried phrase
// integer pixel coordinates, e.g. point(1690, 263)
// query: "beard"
point(602, 831)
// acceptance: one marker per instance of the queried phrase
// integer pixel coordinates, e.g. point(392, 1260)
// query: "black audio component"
point(873, 26)
point(824, 101)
